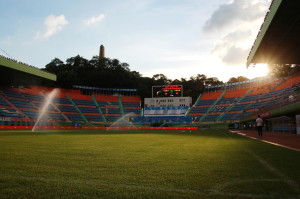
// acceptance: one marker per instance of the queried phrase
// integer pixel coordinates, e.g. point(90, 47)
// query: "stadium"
point(105, 142)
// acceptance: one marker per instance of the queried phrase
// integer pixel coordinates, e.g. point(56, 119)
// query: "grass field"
point(144, 164)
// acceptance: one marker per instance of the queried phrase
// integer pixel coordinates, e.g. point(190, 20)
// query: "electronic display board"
point(167, 91)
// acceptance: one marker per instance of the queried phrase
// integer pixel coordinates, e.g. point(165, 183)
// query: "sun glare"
point(224, 73)
point(259, 70)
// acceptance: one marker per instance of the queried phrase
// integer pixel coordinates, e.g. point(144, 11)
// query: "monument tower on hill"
point(102, 52)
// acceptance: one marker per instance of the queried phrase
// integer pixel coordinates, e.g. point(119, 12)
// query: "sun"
point(259, 70)
point(224, 73)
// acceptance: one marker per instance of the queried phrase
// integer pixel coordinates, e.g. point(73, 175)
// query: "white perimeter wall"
point(167, 101)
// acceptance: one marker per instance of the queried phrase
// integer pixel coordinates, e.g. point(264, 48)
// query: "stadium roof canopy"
point(17, 73)
point(278, 40)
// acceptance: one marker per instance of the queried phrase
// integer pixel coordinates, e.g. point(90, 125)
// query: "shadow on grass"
point(178, 132)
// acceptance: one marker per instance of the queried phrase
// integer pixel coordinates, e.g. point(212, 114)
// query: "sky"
point(177, 38)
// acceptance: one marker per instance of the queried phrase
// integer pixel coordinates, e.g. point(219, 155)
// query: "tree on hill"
point(111, 73)
point(237, 79)
point(161, 79)
point(284, 70)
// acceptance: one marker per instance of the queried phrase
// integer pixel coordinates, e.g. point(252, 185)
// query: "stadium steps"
point(187, 112)
point(212, 106)
point(99, 109)
point(22, 94)
point(197, 101)
point(31, 103)
point(233, 105)
point(77, 109)
point(13, 106)
point(60, 112)
point(121, 105)
point(278, 84)
point(37, 108)
point(253, 103)
point(246, 108)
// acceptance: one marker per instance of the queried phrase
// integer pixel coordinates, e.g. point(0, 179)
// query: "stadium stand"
point(109, 106)
point(204, 105)
point(69, 105)
point(131, 105)
point(233, 104)
point(290, 82)
point(228, 105)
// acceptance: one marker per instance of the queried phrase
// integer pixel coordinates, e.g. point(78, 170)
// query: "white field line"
point(273, 143)
point(219, 188)
point(215, 192)
point(271, 168)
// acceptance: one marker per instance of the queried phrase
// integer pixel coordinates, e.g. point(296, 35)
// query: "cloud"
point(236, 11)
point(235, 55)
point(6, 41)
point(234, 47)
point(95, 19)
point(239, 22)
point(54, 24)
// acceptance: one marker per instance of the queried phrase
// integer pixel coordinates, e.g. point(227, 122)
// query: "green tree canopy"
point(284, 70)
point(111, 73)
point(237, 79)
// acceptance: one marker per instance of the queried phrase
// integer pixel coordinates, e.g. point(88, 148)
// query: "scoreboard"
point(167, 91)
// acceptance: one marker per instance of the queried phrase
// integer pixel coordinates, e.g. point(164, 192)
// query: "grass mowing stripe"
point(140, 164)
point(293, 184)
point(285, 178)
point(271, 168)
point(217, 191)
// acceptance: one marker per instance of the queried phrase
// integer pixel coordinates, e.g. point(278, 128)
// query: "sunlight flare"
point(259, 70)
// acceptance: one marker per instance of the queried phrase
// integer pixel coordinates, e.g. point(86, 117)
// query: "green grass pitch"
point(124, 164)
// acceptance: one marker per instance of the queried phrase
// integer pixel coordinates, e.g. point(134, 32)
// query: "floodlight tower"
point(102, 52)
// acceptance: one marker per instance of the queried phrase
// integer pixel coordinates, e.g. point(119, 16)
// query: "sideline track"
point(289, 141)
